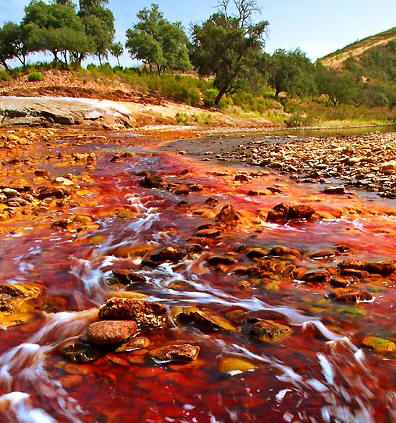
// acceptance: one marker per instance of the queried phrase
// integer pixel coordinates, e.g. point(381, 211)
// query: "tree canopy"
point(157, 42)
point(228, 44)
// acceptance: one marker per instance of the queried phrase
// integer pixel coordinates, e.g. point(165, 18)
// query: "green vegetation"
point(35, 76)
point(223, 65)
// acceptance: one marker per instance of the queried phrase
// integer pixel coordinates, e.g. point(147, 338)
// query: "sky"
point(318, 27)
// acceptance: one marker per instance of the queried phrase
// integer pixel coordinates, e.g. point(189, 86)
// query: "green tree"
point(157, 42)
point(340, 87)
point(99, 28)
point(55, 28)
point(116, 50)
point(291, 72)
point(12, 43)
point(227, 45)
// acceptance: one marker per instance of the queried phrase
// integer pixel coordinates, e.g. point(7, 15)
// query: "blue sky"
point(318, 27)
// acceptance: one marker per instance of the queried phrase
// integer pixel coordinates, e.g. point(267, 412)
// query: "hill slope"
point(355, 50)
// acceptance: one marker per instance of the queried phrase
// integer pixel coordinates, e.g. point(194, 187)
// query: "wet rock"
point(235, 365)
point(79, 351)
point(226, 260)
point(379, 345)
point(241, 177)
point(335, 190)
point(350, 295)
point(127, 276)
point(196, 187)
point(355, 273)
point(317, 276)
point(138, 343)
point(206, 321)
point(147, 315)
point(170, 253)
point(208, 233)
point(281, 251)
point(340, 282)
point(110, 332)
point(324, 254)
point(60, 180)
point(179, 353)
point(256, 253)
point(384, 268)
point(152, 181)
point(290, 211)
point(52, 191)
point(211, 202)
point(228, 216)
point(267, 330)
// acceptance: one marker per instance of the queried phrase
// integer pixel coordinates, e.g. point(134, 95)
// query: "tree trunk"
point(219, 96)
point(118, 60)
point(6, 67)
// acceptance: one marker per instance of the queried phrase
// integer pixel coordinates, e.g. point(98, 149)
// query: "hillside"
point(337, 59)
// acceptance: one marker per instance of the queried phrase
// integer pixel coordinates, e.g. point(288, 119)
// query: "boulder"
point(182, 353)
point(110, 332)
point(147, 314)
point(350, 295)
point(267, 330)
point(290, 211)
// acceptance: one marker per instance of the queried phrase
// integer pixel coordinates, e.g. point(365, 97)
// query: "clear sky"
point(318, 27)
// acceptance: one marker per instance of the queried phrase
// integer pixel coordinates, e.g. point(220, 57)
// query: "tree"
point(53, 27)
point(12, 43)
point(99, 28)
point(157, 42)
point(116, 50)
point(227, 45)
point(339, 86)
point(291, 72)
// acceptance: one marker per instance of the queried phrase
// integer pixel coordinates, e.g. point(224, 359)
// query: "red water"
point(319, 374)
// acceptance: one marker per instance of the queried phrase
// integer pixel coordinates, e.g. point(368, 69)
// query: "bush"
point(298, 119)
point(210, 97)
point(35, 76)
point(4, 75)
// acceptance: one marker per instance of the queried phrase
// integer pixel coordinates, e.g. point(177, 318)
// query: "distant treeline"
point(227, 47)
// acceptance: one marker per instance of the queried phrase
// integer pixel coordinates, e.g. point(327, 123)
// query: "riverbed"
point(131, 195)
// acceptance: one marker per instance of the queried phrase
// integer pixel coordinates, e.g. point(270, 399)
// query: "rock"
point(384, 268)
point(226, 260)
point(281, 251)
point(290, 211)
point(324, 254)
point(315, 276)
point(110, 332)
point(241, 177)
point(47, 192)
point(228, 216)
point(127, 276)
point(339, 282)
point(340, 189)
point(267, 330)
point(350, 295)
point(79, 351)
point(235, 365)
point(63, 181)
point(134, 344)
point(147, 315)
point(379, 345)
point(152, 181)
point(207, 321)
point(181, 353)
point(42, 173)
point(170, 253)
point(179, 285)
point(208, 233)
point(256, 253)
point(388, 167)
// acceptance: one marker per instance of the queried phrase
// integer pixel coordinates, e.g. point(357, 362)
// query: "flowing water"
point(319, 374)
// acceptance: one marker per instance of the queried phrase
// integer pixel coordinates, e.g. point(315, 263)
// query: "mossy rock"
point(379, 345)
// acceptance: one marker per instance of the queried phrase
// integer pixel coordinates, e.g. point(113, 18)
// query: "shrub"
point(210, 97)
point(183, 119)
point(35, 76)
point(298, 119)
point(4, 75)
